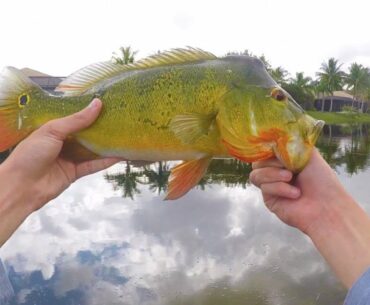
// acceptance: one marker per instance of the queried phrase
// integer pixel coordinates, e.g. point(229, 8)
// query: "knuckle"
point(254, 177)
point(272, 205)
point(264, 188)
point(280, 188)
point(80, 117)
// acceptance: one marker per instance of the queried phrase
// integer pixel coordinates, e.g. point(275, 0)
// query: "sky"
point(59, 37)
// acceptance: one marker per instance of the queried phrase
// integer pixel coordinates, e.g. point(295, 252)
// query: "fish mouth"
point(316, 131)
point(295, 151)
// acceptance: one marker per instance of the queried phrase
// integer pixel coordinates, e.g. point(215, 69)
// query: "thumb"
point(63, 127)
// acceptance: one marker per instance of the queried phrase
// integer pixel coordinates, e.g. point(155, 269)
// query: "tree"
point(126, 56)
point(301, 89)
point(301, 81)
point(158, 179)
point(357, 81)
point(265, 62)
point(279, 74)
point(128, 181)
point(331, 78)
point(245, 52)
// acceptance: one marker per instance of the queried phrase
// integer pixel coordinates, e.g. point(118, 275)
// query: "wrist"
point(342, 236)
point(333, 216)
point(15, 203)
point(15, 192)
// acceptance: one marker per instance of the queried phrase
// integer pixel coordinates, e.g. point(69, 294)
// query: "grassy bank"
point(340, 118)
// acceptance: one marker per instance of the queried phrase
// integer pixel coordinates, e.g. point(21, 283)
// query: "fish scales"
point(184, 104)
point(146, 102)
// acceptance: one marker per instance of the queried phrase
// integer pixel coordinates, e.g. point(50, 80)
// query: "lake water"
point(111, 239)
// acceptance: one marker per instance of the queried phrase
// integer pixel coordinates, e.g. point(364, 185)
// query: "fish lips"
point(295, 152)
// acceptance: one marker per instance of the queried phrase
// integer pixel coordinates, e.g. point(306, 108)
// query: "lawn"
point(340, 117)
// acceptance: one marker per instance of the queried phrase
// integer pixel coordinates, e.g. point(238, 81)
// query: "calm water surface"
point(111, 239)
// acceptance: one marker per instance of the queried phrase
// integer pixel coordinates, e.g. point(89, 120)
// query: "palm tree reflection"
point(339, 145)
point(158, 177)
point(127, 181)
point(228, 172)
point(347, 145)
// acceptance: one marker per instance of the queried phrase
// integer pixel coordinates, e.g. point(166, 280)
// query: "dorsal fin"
point(87, 77)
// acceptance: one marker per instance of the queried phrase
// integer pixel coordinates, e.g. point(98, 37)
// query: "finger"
point(63, 127)
point(273, 162)
point(93, 166)
point(268, 175)
point(280, 189)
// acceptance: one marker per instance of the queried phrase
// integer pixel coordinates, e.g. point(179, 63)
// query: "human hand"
point(36, 165)
point(317, 204)
point(300, 201)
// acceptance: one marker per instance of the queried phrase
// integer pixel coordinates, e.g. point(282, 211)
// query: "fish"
point(183, 104)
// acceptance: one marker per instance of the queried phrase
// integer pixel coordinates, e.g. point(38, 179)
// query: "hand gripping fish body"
point(183, 104)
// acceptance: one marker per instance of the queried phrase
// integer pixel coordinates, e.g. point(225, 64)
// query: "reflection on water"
point(346, 145)
point(229, 173)
point(111, 239)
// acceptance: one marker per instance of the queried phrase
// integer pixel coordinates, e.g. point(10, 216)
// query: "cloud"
point(107, 249)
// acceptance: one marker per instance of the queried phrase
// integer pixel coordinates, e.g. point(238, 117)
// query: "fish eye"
point(23, 100)
point(278, 95)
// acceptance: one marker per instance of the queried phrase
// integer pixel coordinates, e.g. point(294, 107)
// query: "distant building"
point(45, 81)
point(340, 99)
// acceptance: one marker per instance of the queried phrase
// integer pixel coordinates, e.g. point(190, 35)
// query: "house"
point(45, 81)
point(340, 99)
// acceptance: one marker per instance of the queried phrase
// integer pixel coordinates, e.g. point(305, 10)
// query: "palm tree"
point(331, 78)
point(128, 181)
point(245, 52)
point(158, 179)
point(126, 56)
point(300, 88)
point(265, 62)
point(279, 74)
point(357, 81)
point(353, 79)
point(301, 81)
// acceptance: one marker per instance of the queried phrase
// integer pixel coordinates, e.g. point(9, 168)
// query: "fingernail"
point(285, 174)
point(295, 192)
point(93, 103)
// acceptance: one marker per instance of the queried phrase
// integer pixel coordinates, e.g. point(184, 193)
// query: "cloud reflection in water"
point(217, 246)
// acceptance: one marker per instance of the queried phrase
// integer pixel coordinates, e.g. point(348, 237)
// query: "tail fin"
point(14, 95)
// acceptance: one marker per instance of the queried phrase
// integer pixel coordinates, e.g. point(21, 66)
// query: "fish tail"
point(15, 91)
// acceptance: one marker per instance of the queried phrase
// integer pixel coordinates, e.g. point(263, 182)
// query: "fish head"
point(294, 132)
point(258, 120)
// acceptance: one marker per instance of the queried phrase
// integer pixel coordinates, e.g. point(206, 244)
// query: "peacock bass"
point(183, 104)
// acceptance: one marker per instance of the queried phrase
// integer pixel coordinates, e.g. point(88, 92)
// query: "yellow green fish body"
point(184, 104)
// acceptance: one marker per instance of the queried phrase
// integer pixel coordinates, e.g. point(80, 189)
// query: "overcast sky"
point(59, 37)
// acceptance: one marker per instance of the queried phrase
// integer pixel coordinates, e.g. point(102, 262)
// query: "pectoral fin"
point(190, 127)
point(185, 176)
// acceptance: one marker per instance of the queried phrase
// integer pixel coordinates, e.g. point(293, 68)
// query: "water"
point(111, 239)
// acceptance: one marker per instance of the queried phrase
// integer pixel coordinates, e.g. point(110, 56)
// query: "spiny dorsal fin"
point(87, 77)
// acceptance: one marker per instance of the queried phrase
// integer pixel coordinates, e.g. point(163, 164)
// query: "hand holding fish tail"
point(35, 172)
point(317, 204)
